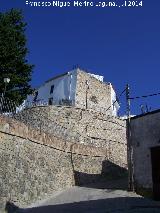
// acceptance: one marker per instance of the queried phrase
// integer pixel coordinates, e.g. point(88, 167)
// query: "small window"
point(50, 101)
point(35, 96)
point(52, 88)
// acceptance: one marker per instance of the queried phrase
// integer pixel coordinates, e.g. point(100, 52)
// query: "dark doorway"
point(155, 157)
point(50, 101)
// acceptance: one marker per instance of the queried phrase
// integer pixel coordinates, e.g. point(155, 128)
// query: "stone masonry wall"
point(82, 126)
point(31, 166)
point(34, 164)
point(92, 93)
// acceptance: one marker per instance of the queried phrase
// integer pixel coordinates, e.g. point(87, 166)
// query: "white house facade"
point(70, 89)
point(56, 90)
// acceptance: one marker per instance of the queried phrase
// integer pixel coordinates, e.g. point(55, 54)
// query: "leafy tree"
point(13, 52)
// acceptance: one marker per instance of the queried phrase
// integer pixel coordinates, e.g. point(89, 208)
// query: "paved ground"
point(110, 197)
point(83, 199)
point(102, 197)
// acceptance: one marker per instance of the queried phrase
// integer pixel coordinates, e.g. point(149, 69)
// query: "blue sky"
point(123, 44)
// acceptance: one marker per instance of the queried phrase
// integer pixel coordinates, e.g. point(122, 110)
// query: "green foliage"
point(13, 52)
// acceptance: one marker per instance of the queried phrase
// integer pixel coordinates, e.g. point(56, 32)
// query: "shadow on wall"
point(110, 172)
point(118, 204)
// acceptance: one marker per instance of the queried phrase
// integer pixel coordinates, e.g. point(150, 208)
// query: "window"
point(52, 88)
point(35, 96)
point(50, 101)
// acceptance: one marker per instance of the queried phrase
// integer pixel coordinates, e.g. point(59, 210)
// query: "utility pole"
point(128, 101)
point(129, 145)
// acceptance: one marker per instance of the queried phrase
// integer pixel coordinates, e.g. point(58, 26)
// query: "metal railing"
point(7, 107)
point(40, 102)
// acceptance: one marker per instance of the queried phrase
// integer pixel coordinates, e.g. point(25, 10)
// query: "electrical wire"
point(117, 100)
point(144, 96)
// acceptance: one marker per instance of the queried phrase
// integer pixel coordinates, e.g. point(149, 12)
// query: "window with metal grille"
point(52, 88)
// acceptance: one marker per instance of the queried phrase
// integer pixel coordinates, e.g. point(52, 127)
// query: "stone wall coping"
point(78, 108)
point(16, 128)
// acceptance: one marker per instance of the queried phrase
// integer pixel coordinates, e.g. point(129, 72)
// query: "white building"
point(76, 88)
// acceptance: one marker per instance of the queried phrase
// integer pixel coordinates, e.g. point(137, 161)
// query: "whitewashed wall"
point(114, 104)
point(64, 88)
point(145, 134)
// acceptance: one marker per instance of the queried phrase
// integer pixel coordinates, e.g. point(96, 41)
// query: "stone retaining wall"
point(80, 125)
point(34, 164)
point(77, 125)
